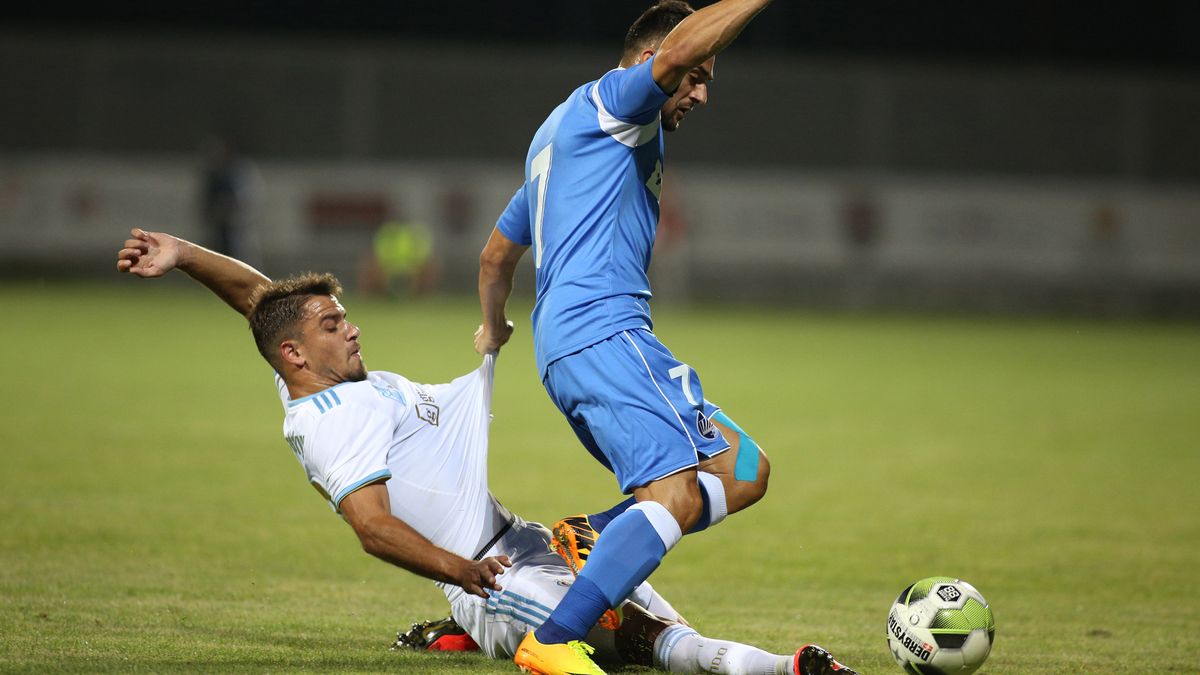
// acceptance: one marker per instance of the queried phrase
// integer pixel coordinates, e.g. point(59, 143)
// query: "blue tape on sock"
point(746, 465)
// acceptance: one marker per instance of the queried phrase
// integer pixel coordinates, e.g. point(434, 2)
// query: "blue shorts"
point(638, 410)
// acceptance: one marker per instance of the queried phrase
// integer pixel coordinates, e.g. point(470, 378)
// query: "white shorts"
point(532, 588)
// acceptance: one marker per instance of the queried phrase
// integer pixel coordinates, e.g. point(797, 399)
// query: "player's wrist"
point(186, 254)
point(452, 569)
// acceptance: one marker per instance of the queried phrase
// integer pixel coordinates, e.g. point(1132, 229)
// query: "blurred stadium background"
point(954, 250)
point(1014, 157)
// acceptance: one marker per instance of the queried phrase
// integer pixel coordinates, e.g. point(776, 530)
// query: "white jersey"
point(429, 442)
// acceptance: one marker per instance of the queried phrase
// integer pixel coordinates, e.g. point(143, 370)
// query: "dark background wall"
point(1114, 33)
point(304, 97)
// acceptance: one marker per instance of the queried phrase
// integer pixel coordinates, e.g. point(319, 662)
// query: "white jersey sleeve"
point(347, 449)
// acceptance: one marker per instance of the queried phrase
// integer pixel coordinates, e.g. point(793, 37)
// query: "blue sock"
point(622, 559)
point(599, 521)
point(626, 555)
point(574, 620)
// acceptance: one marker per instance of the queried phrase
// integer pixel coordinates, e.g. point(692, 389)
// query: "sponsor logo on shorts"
point(949, 593)
point(919, 648)
point(705, 427)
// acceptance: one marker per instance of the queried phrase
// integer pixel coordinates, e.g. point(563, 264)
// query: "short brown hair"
point(653, 25)
point(278, 307)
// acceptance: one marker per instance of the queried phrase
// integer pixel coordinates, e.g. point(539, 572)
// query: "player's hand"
point(488, 341)
point(479, 576)
point(149, 254)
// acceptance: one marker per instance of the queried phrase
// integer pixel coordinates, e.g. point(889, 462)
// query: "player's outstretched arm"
point(701, 36)
point(392, 540)
point(497, 265)
point(153, 254)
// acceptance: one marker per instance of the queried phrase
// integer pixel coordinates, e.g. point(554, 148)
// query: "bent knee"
point(744, 493)
point(759, 488)
point(687, 508)
point(679, 494)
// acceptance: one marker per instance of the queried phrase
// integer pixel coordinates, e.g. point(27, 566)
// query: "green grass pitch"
point(154, 520)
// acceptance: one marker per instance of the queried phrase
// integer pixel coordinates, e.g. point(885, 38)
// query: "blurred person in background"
point(402, 261)
point(230, 187)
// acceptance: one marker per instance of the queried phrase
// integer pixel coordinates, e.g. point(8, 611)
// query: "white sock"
point(645, 597)
point(717, 505)
point(681, 649)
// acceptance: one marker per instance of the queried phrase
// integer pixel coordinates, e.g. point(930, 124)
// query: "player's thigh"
point(744, 469)
point(499, 623)
point(644, 409)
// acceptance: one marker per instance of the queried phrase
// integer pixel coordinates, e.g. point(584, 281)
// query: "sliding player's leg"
point(648, 640)
point(654, 639)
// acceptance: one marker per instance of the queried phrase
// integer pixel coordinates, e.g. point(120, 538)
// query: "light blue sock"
point(572, 619)
point(633, 545)
point(599, 521)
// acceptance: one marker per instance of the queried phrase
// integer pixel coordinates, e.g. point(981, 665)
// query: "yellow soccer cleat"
point(573, 658)
point(573, 539)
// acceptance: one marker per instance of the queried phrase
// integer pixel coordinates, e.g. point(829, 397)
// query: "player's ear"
point(645, 55)
point(289, 351)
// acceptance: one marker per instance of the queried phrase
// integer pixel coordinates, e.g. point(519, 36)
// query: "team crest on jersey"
point(654, 182)
point(705, 427)
point(427, 409)
point(428, 412)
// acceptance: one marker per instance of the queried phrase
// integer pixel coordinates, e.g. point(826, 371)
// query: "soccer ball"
point(940, 626)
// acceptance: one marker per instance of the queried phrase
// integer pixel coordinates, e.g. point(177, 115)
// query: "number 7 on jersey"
point(539, 170)
point(684, 371)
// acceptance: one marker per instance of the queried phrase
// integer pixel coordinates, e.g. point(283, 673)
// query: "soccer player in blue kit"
point(589, 208)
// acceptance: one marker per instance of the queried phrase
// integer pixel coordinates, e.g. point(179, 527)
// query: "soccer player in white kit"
point(405, 464)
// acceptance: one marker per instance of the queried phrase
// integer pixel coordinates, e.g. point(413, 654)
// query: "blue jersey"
point(589, 209)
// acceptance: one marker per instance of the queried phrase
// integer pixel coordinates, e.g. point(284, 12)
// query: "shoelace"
point(582, 648)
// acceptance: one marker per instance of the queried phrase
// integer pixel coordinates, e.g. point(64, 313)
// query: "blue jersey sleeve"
point(631, 94)
point(514, 222)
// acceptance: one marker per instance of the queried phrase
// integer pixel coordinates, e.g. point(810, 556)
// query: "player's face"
point(330, 347)
point(692, 92)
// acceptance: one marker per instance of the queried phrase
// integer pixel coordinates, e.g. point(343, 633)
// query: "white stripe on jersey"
point(626, 133)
